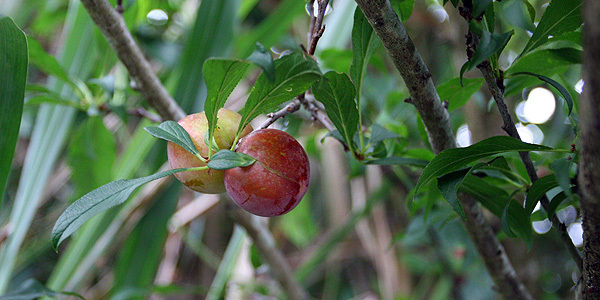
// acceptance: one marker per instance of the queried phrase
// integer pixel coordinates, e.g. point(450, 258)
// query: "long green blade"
point(13, 67)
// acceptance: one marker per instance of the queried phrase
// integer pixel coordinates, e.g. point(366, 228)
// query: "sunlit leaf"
point(221, 77)
point(227, 159)
point(173, 132)
point(294, 74)
point(362, 48)
point(560, 16)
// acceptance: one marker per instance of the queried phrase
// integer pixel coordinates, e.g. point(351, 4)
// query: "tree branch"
point(424, 96)
point(114, 29)
point(118, 36)
point(589, 164)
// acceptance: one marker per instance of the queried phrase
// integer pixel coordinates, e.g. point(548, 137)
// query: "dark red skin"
point(277, 181)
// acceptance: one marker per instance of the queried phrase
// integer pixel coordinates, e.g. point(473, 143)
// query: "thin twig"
point(115, 31)
point(425, 98)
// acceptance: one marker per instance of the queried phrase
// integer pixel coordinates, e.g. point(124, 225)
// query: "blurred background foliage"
point(356, 235)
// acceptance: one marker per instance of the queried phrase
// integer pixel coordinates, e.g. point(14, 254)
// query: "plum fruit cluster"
point(273, 185)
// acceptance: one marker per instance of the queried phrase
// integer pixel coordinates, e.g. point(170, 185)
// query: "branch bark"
point(113, 27)
point(424, 96)
point(589, 164)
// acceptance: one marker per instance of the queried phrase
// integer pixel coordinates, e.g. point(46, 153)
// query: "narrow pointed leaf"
point(227, 159)
point(263, 58)
point(561, 16)
point(538, 189)
point(97, 201)
point(173, 132)
point(32, 289)
point(13, 67)
point(221, 77)
point(453, 159)
point(456, 94)
point(516, 223)
point(555, 203)
point(379, 134)
point(395, 160)
point(490, 44)
point(448, 185)
point(362, 47)
point(337, 93)
point(294, 74)
point(45, 62)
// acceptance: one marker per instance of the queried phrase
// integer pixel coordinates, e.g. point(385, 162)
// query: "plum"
point(205, 181)
point(277, 181)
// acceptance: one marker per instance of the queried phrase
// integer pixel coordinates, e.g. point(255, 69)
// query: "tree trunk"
point(589, 176)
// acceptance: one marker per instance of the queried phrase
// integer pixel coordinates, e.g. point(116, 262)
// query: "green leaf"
point(515, 221)
point(457, 94)
point(263, 58)
point(227, 159)
point(97, 201)
point(561, 16)
point(561, 89)
point(489, 45)
point(555, 203)
point(546, 62)
point(336, 92)
point(379, 134)
point(538, 189)
point(51, 99)
point(362, 48)
point(395, 160)
point(294, 74)
point(403, 8)
point(173, 132)
point(91, 155)
point(45, 62)
point(489, 195)
point(13, 67)
point(448, 185)
point(480, 6)
point(562, 169)
point(32, 289)
point(221, 77)
point(453, 159)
